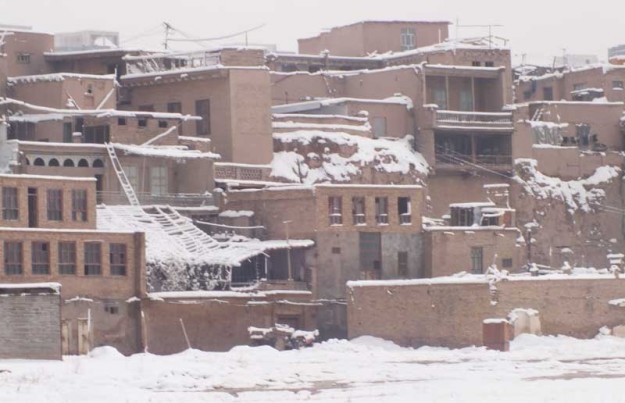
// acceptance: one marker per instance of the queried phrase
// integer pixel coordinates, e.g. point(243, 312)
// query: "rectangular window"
point(381, 210)
point(403, 209)
point(93, 259)
point(402, 264)
point(23, 58)
point(617, 84)
point(476, 63)
point(10, 209)
point(55, 205)
point(40, 255)
point(336, 250)
point(579, 86)
point(67, 258)
point(162, 124)
point(477, 265)
point(96, 134)
point(67, 132)
point(489, 64)
point(175, 107)
point(335, 210)
point(462, 217)
point(12, 258)
point(379, 126)
point(203, 110)
point(548, 94)
point(132, 173)
point(158, 181)
point(117, 256)
point(358, 210)
point(79, 205)
point(506, 263)
point(121, 121)
point(408, 38)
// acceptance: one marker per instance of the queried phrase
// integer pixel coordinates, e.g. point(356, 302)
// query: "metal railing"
point(475, 119)
point(171, 199)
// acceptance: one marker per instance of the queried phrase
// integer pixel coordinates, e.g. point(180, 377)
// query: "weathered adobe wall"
point(452, 314)
point(216, 324)
point(579, 237)
point(31, 327)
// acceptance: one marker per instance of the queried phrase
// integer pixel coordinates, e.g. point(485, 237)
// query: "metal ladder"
point(123, 179)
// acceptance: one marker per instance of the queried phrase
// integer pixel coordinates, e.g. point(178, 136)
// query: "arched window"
point(39, 162)
point(97, 163)
point(53, 162)
point(83, 163)
point(68, 163)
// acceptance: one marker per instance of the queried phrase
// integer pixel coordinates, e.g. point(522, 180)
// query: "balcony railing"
point(242, 172)
point(172, 199)
point(469, 161)
point(482, 120)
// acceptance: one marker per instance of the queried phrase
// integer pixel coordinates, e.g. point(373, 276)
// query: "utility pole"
point(288, 251)
point(167, 29)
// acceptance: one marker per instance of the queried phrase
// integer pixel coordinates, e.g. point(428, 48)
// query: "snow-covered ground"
point(537, 369)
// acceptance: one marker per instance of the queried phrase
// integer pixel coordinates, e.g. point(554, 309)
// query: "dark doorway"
point(33, 212)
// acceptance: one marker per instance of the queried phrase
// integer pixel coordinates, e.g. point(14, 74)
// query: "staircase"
point(123, 179)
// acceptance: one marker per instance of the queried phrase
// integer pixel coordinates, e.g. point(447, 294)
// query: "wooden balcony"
point(482, 121)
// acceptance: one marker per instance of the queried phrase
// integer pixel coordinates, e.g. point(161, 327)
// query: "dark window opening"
point(117, 256)
point(381, 210)
point(203, 110)
point(83, 163)
point(402, 264)
point(358, 210)
point(96, 134)
point(55, 204)
point(69, 163)
point(506, 263)
point(336, 250)
point(10, 206)
point(79, 205)
point(548, 93)
point(53, 162)
point(67, 132)
point(67, 258)
point(477, 264)
point(40, 254)
point(93, 259)
point(403, 209)
point(162, 124)
point(335, 210)
point(13, 258)
point(489, 64)
point(121, 121)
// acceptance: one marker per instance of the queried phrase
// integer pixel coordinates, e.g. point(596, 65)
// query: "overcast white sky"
point(540, 29)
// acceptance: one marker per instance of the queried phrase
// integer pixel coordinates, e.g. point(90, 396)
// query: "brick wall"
point(31, 326)
point(218, 323)
point(450, 314)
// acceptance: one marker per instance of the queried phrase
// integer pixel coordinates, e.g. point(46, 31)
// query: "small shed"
point(30, 314)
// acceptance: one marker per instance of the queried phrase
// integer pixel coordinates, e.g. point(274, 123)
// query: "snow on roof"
point(236, 213)
point(176, 152)
point(56, 287)
point(57, 77)
point(90, 52)
point(385, 155)
point(318, 103)
point(472, 204)
point(36, 117)
point(580, 194)
point(48, 177)
point(173, 240)
point(184, 72)
point(318, 116)
point(224, 294)
point(330, 126)
point(468, 278)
